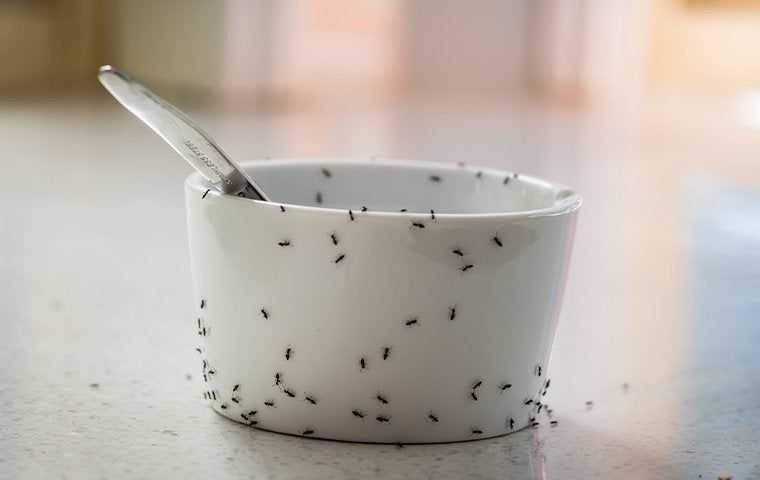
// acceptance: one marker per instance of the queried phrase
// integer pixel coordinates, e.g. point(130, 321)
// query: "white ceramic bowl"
point(379, 325)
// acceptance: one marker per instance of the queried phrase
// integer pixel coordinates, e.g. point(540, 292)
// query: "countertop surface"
point(660, 329)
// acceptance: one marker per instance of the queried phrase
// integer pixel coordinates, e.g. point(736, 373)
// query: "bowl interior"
point(395, 185)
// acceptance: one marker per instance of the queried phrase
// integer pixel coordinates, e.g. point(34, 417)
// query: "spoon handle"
point(186, 138)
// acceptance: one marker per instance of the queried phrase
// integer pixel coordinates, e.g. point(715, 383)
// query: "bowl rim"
point(566, 201)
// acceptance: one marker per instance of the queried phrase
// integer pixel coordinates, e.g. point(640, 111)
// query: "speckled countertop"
point(99, 374)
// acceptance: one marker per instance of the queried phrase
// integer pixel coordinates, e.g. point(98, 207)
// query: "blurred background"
point(650, 109)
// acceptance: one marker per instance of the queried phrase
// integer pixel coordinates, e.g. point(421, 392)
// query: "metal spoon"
point(186, 138)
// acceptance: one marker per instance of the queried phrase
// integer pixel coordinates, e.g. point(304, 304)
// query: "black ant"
point(511, 423)
point(432, 214)
point(212, 372)
point(411, 321)
point(244, 416)
point(203, 197)
point(198, 349)
point(351, 215)
point(382, 419)
point(282, 208)
point(252, 423)
point(548, 382)
point(357, 413)
point(386, 353)
point(319, 198)
point(382, 399)
point(236, 387)
point(535, 424)
point(213, 394)
point(435, 178)
point(269, 403)
point(452, 313)
point(477, 431)
point(467, 267)
point(540, 406)
point(340, 258)
point(235, 399)
point(253, 413)
point(418, 225)
point(433, 418)
point(474, 396)
point(311, 400)
point(308, 431)
point(364, 209)
point(403, 210)
point(506, 180)
point(362, 363)
point(504, 386)
point(203, 303)
point(538, 370)
point(265, 314)
point(497, 241)
point(457, 251)
point(527, 401)
point(284, 243)
point(288, 353)
point(277, 378)
point(326, 173)
point(477, 384)
point(223, 406)
point(289, 393)
point(334, 239)
point(553, 423)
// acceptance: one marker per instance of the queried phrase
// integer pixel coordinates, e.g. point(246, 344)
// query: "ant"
point(538, 370)
point(235, 399)
point(506, 180)
point(319, 198)
point(326, 173)
point(311, 400)
point(403, 210)
point(223, 406)
point(457, 251)
point(504, 386)
point(277, 378)
point(386, 353)
point(433, 418)
point(411, 321)
point(497, 241)
point(265, 314)
point(528, 401)
point(432, 214)
point(418, 225)
point(334, 239)
point(236, 387)
point(474, 396)
point(452, 312)
point(351, 215)
point(364, 209)
point(282, 208)
point(467, 267)
point(435, 178)
point(289, 393)
point(308, 431)
point(203, 197)
point(269, 403)
point(382, 399)
point(203, 303)
point(477, 431)
point(363, 363)
point(340, 258)
point(244, 416)
point(511, 423)
point(357, 413)
point(288, 353)
point(479, 174)
point(382, 419)
point(477, 384)
point(553, 423)
point(284, 243)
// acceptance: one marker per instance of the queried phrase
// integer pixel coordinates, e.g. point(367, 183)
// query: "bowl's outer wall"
point(276, 284)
